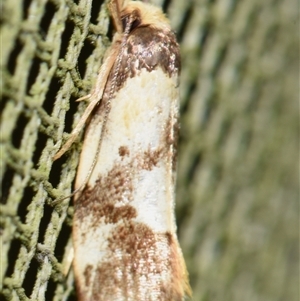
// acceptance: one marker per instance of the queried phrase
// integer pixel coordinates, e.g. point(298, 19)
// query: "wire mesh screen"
point(237, 193)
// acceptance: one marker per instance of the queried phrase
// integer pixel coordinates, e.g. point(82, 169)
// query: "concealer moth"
point(124, 231)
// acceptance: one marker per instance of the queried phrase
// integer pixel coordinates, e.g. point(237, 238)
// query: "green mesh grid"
point(238, 179)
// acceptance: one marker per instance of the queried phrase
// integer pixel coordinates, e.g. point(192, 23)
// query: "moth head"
point(142, 14)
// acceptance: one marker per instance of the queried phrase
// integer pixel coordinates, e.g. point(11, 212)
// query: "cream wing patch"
point(138, 128)
point(133, 202)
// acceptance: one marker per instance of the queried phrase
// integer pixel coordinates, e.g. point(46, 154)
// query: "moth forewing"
point(124, 230)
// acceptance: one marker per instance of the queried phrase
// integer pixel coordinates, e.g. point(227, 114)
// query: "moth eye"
point(134, 24)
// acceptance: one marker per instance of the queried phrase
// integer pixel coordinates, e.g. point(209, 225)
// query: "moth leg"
point(94, 97)
point(85, 97)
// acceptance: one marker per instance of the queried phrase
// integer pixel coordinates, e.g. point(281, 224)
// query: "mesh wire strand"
point(237, 194)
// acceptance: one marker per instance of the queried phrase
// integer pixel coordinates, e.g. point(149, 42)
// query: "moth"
point(124, 230)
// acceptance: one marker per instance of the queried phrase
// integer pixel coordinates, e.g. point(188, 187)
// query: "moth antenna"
point(115, 8)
